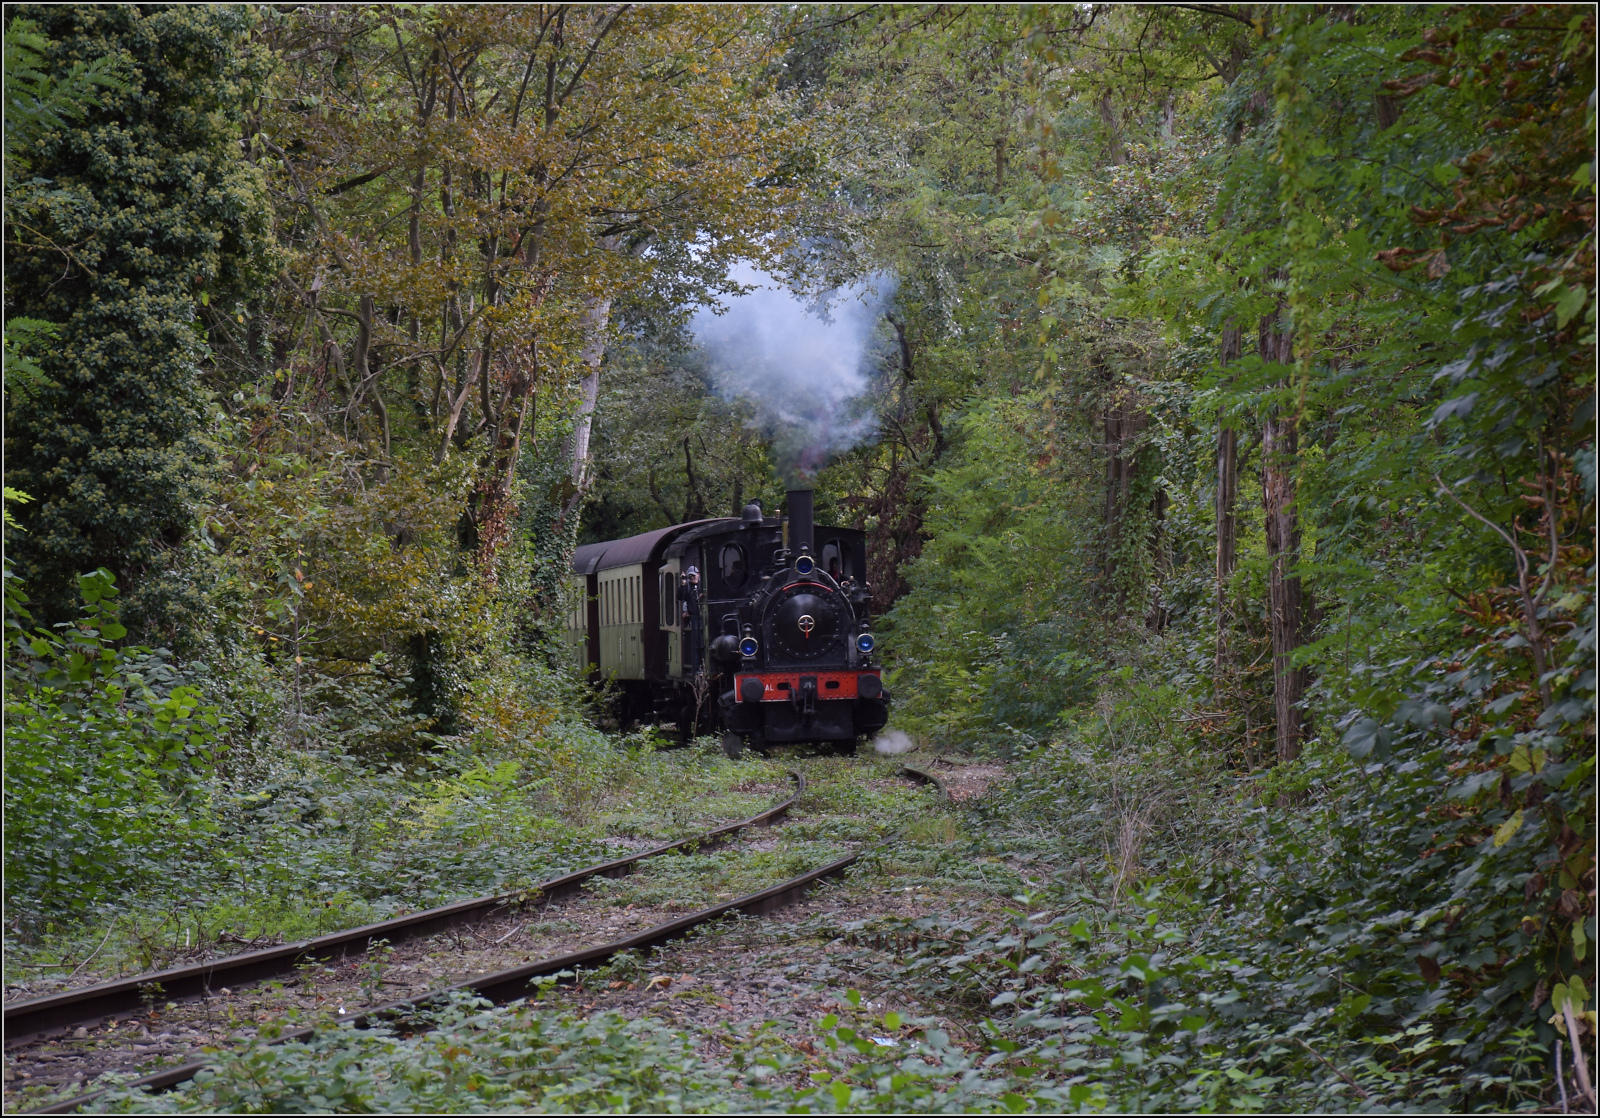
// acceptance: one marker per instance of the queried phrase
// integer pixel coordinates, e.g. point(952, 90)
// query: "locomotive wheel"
point(845, 748)
point(732, 745)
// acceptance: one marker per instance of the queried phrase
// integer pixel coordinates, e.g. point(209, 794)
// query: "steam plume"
point(893, 741)
point(801, 367)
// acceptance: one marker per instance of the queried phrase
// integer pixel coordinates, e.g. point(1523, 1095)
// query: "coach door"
point(622, 622)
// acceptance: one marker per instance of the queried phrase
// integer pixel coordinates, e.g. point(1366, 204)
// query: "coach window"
point(669, 599)
point(734, 569)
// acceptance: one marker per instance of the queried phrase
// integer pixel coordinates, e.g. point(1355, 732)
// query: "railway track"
point(34, 1019)
point(509, 985)
point(923, 777)
point(127, 999)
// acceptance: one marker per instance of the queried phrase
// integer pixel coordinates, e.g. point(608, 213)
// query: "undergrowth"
point(188, 834)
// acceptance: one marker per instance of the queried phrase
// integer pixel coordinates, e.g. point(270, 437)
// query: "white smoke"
point(893, 741)
point(801, 366)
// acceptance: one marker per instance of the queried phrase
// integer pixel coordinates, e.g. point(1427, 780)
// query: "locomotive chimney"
point(800, 526)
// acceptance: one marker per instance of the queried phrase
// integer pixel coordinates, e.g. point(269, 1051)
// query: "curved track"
point(922, 777)
point(35, 1018)
point(509, 985)
point(27, 1021)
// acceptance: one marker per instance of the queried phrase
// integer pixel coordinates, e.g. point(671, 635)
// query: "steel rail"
point(52, 1014)
point(510, 985)
point(923, 777)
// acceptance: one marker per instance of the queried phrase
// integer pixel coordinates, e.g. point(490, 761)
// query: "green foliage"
point(37, 101)
point(18, 496)
point(327, 826)
point(141, 206)
point(106, 754)
point(988, 639)
point(1435, 276)
point(34, 102)
point(528, 1058)
point(476, 1060)
point(22, 373)
point(887, 1064)
point(1186, 955)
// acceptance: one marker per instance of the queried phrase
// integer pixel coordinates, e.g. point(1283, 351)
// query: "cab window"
point(733, 565)
point(836, 559)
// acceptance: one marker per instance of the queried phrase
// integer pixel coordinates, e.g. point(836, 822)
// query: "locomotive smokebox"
point(800, 521)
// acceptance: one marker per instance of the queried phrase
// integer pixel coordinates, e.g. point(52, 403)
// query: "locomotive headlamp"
point(866, 642)
point(749, 646)
point(805, 565)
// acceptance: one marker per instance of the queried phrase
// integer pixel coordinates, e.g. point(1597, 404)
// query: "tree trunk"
point(1279, 459)
point(596, 316)
point(364, 374)
point(1157, 617)
point(1388, 110)
point(694, 502)
point(898, 505)
point(496, 510)
point(1122, 426)
point(1108, 117)
point(1110, 516)
point(469, 378)
point(1227, 501)
point(935, 426)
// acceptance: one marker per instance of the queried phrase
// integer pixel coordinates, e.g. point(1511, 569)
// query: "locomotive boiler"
point(756, 626)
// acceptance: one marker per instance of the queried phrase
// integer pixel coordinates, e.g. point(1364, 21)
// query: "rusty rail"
point(923, 777)
point(510, 985)
point(34, 1018)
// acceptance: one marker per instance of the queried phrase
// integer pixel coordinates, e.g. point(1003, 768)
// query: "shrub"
point(105, 760)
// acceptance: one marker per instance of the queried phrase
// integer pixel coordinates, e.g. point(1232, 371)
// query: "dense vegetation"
point(1234, 479)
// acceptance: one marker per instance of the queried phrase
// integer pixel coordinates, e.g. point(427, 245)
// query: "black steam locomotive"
point(757, 626)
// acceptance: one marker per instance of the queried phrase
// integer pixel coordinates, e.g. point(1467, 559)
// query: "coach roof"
point(594, 557)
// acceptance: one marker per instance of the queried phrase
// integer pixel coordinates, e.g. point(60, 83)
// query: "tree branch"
point(359, 180)
point(1530, 608)
point(1214, 10)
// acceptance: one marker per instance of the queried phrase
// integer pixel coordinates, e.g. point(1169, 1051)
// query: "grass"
point(373, 847)
point(555, 1058)
point(689, 881)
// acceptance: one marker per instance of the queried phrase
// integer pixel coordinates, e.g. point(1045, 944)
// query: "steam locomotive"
point(756, 626)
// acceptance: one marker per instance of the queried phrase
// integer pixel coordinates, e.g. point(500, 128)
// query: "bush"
point(105, 761)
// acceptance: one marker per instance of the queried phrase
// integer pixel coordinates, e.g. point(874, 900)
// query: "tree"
point(466, 191)
point(35, 101)
point(141, 211)
point(923, 108)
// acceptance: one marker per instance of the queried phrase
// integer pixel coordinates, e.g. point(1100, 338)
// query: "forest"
point(1214, 386)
